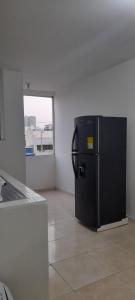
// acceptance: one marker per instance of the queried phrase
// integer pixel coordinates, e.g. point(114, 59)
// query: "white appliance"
point(2, 183)
point(5, 293)
point(24, 243)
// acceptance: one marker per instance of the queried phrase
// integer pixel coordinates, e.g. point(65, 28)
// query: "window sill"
point(40, 155)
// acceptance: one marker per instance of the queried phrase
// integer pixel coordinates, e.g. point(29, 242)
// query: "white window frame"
point(47, 94)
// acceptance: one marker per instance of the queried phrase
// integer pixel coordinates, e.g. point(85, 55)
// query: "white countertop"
point(32, 198)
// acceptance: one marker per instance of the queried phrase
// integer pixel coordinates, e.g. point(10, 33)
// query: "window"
point(38, 121)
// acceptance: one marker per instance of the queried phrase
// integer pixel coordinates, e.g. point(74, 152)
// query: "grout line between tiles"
point(79, 254)
point(76, 255)
point(62, 277)
point(116, 243)
point(102, 279)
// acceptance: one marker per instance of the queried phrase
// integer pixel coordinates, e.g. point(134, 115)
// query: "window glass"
point(38, 121)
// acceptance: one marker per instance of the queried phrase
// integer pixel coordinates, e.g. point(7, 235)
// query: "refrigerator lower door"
point(85, 190)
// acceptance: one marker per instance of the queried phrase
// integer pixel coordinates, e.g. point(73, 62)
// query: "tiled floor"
point(84, 264)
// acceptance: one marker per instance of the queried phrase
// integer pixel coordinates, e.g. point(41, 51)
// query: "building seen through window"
point(38, 121)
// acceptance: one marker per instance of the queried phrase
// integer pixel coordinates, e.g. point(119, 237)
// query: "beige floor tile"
point(71, 228)
point(130, 226)
point(128, 242)
point(84, 259)
point(70, 296)
point(128, 278)
point(53, 233)
point(56, 198)
point(97, 242)
point(68, 228)
point(81, 270)
point(62, 249)
point(57, 215)
point(80, 242)
point(110, 288)
point(57, 286)
point(59, 203)
point(116, 257)
point(115, 234)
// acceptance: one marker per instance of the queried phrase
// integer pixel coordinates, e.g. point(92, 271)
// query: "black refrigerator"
point(99, 164)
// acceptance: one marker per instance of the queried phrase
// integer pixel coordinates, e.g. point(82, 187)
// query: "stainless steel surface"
point(10, 193)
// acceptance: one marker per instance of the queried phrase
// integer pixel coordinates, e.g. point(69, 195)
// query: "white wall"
point(12, 149)
point(109, 93)
point(40, 172)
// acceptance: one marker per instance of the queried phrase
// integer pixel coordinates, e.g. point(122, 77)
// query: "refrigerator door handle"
point(73, 164)
point(73, 139)
point(82, 171)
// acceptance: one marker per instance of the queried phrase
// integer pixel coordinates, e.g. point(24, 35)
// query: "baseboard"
point(45, 190)
point(113, 225)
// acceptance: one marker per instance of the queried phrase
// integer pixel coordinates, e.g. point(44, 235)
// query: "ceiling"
point(58, 42)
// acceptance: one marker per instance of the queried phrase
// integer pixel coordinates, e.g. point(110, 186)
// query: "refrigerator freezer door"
point(86, 134)
point(85, 190)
